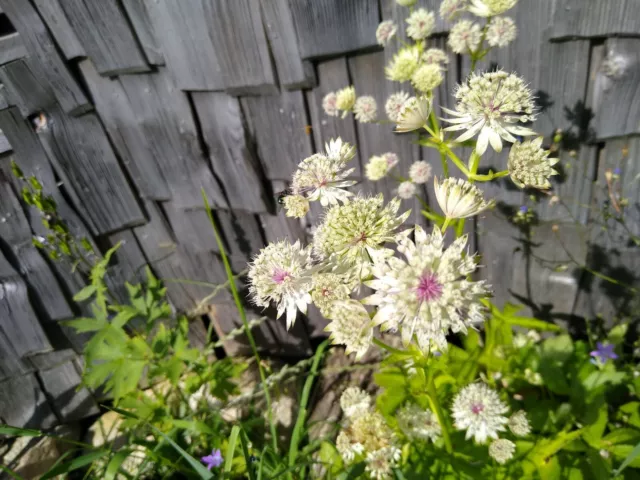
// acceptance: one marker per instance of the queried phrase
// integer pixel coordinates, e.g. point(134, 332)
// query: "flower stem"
point(445, 224)
point(435, 405)
point(389, 348)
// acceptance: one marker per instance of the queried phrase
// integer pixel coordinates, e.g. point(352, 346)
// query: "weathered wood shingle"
point(11, 48)
point(24, 405)
point(53, 15)
point(594, 18)
point(26, 86)
point(62, 384)
point(141, 23)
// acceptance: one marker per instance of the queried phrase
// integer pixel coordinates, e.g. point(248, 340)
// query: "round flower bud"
point(501, 32)
point(296, 206)
point(329, 104)
point(406, 190)
point(427, 77)
point(345, 99)
point(458, 198)
point(420, 24)
point(529, 164)
point(365, 109)
point(394, 105)
point(519, 424)
point(403, 64)
point(385, 32)
point(465, 37)
point(502, 450)
point(420, 172)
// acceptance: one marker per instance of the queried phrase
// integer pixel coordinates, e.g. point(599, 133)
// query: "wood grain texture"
point(11, 48)
point(595, 18)
point(26, 86)
point(56, 19)
point(127, 264)
point(141, 23)
point(391, 10)
point(231, 157)
point(104, 31)
point(242, 235)
point(334, 27)
point(40, 45)
point(279, 226)
point(277, 123)
point(24, 405)
point(61, 386)
point(191, 228)
point(43, 361)
point(164, 115)
point(126, 133)
point(11, 365)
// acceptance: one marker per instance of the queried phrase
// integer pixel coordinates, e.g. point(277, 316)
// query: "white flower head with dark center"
point(379, 464)
point(435, 55)
point(501, 32)
point(327, 289)
point(355, 402)
point(329, 104)
point(490, 8)
point(350, 326)
point(403, 64)
point(414, 114)
point(420, 24)
point(418, 423)
point(458, 198)
point(479, 410)
point(465, 37)
point(320, 178)
point(490, 105)
point(353, 231)
point(296, 206)
point(394, 105)
point(427, 295)
point(345, 99)
point(519, 424)
point(365, 109)
point(407, 190)
point(502, 450)
point(282, 273)
point(420, 171)
point(530, 166)
point(427, 77)
point(449, 9)
point(385, 32)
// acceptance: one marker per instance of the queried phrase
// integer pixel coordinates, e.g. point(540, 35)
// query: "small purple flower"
point(524, 209)
point(604, 352)
point(617, 171)
point(213, 460)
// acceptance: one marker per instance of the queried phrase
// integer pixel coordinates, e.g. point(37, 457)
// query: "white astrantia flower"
point(420, 172)
point(490, 8)
point(406, 190)
point(365, 109)
point(435, 55)
point(320, 178)
point(418, 423)
point(353, 231)
point(296, 206)
point(427, 77)
point(449, 9)
point(414, 114)
point(355, 402)
point(366, 433)
point(385, 32)
point(391, 159)
point(427, 295)
point(347, 449)
point(465, 37)
point(350, 326)
point(403, 64)
point(380, 165)
point(501, 32)
point(329, 104)
point(490, 105)
point(345, 99)
point(340, 151)
point(282, 273)
point(420, 24)
point(329, 288)
point(479, 410)
point(394, 105)
point(458, 198)
point(519, 424)
point(529, 164)
point(502, 450)
point(379, 464)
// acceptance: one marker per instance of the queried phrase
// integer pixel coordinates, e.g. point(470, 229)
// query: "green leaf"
point(85, 324)
point(617, 333)
point(631, 456)
point(622, 435)
point(194, 426)
point(532, 324)
point(390, 379)
point(244, 441)
point(231, 448)
point(601, 377)
point(20, 432)
point(330, 457)
point(631, 413)
point(114, 464)
point(75, 464)
point(200, 469)
point(85, 293)
point(10, 472)
point(593, 433)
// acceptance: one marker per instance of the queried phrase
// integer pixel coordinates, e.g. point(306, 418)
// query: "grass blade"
point(231, 448)
point(200, 469)
point(630, 458)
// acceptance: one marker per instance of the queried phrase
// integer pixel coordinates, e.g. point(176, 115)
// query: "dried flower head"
point(449, 9)
point(458, 198)
point(403, 64)
point(420, 172)
point(502, 450)
point(420, 24)
point(329, 104)
point(379, 464)
point(365, 109)
point(519, 424)
point(329, 288)
point(394, 105)
point(320, 178)
point(427, 294)
point(345, 99)
point(406, 190)
point(385, 32)
point(479, 410)
point(435, 55)
point(355, 402)
point(501, 32)
point(490, 104)
point(417, 423)
point(414, 114)
point(465, 37)
point(427, 77)
point(490, 8)
point(529, 165)
point(296, 206)
point(282, 273)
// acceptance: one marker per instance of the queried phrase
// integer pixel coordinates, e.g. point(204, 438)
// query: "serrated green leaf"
point(86, 324)
point(85, 293)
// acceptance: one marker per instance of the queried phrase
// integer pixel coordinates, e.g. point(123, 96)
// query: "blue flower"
point(617, 171)
point(213, 460)
point(524, 209)
point(604, 352)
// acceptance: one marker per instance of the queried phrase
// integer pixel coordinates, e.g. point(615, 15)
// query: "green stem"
point(243, 317)
point(445, 164)
point(435, 405)
point(389, 348)
point(454, 158)
point(446, 223)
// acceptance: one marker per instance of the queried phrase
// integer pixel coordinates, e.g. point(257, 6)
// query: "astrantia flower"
point(394, 105)
point(406, 190)
point(379, 464)
point(391, 159)
point(319, 178)
point(328, 288)
point(489, 105)
point(417, 423)
point(519, 424)
point(435, 55)
point(427, 77)
point(420, 172)
point(365, 109)
point(348, 450)
point(450, 8)
point(403, 64)
point(465, 37)
point(282, 273)
point(345, 99)
point(329, 104)
point(371, 432)
point(502, 450)
point(380, 165)
point(355, 402)
point(490, 8)
point(353, 230)
point(479, 410)
point(420, 24)
point(529, 165)
point(350, 326)
point(458, 198)
point(296, 206)
point(501, 31)
point(340, 151)
point(385, 31)
point(427, 294)
point(414, 114)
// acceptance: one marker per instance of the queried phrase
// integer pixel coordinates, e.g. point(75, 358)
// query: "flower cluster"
point(418, 423)
point(380, 165)
point(364, 108)
point(529, 165)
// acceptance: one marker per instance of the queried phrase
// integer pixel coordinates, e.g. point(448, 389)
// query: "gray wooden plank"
point(141, 23)
point(293, 73)
point(53, 15)
point(127, 264)
point(183, 31)
point(11, 48)
point(104, 31)
point(334, 27)
point(43, 361)
point(26, 86)
point(191, 228)
point(126, 132)
point(279, 226)
point(595, 18)
point(80, 149)
point(275, 118)
point(24, 405)
point(61, 386)
point(40, 46)
point(242, 234)
point(164, 115)
point(232, 159)
point(11, 365)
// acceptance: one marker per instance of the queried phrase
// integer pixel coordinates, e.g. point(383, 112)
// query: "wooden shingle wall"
point(150, 101)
